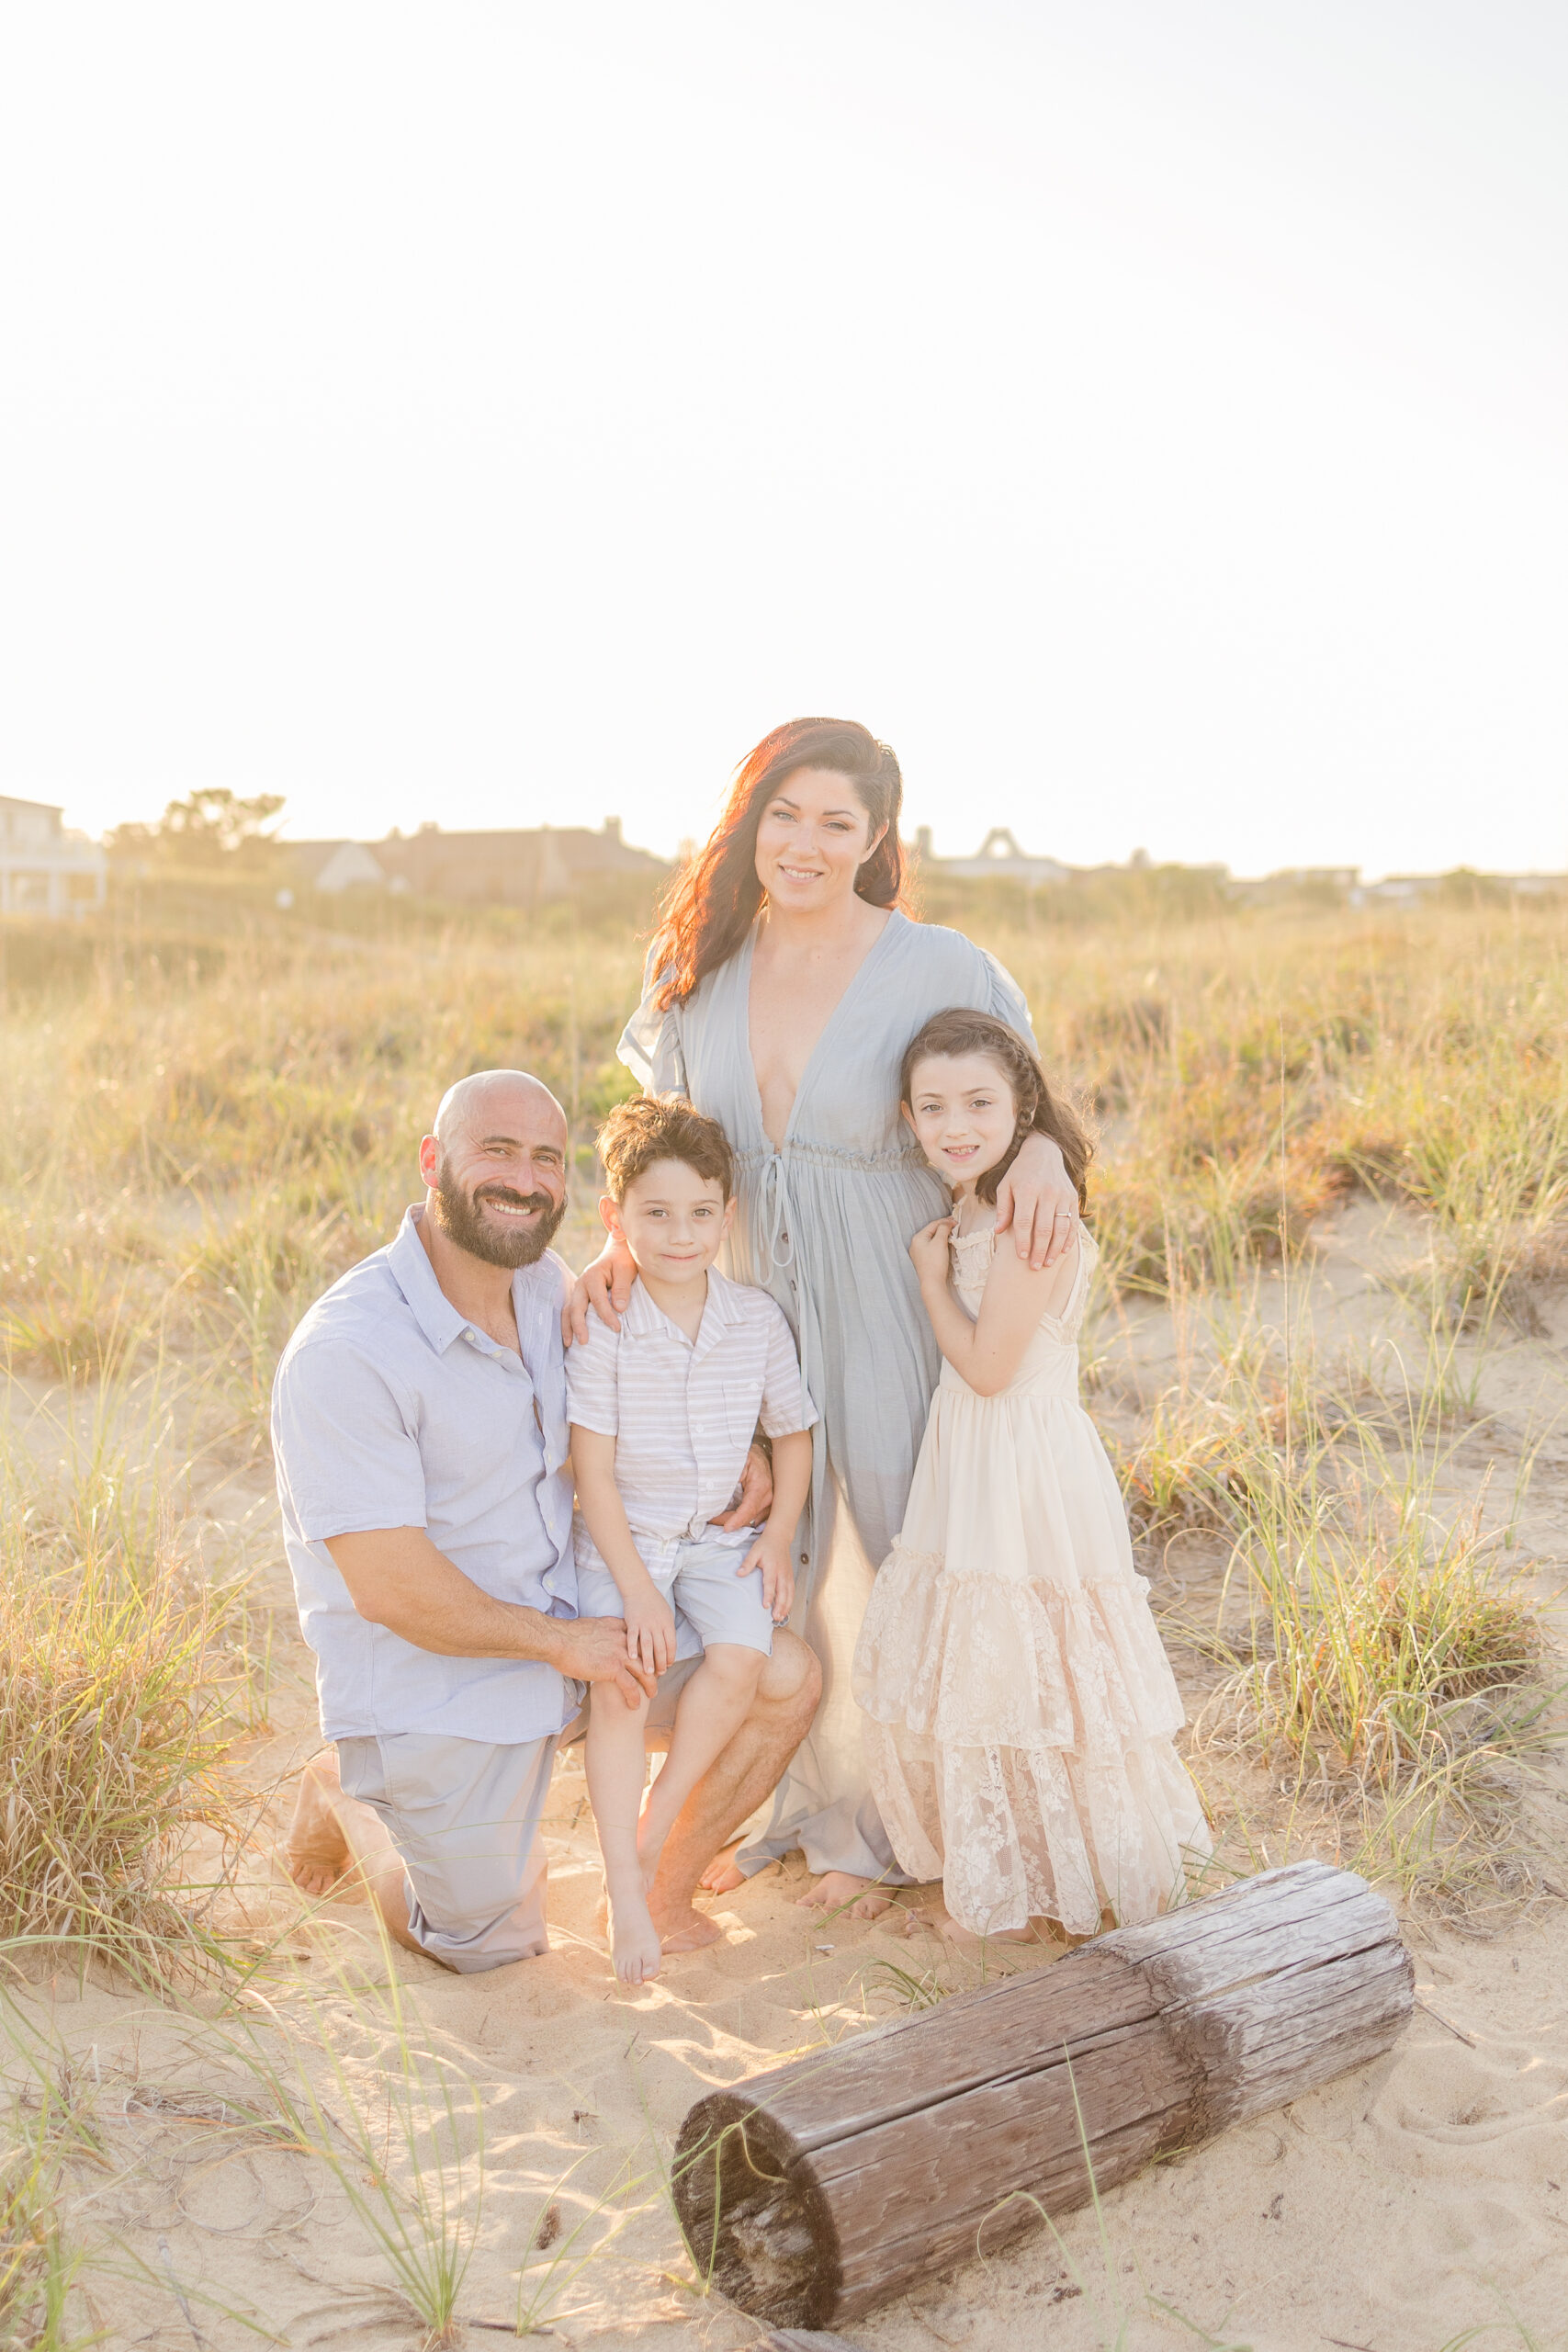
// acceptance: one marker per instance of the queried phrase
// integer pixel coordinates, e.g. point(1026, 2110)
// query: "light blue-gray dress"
point(824, 1224)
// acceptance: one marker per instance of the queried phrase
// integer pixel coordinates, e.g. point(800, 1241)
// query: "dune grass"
point(229, 1140)
point(115, 1676)
point(39, 2131)
point(1385, 1656)
point(201, 1141)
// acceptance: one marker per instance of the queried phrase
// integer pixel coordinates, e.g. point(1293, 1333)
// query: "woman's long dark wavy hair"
point(1039, 1113)
point(712, 901)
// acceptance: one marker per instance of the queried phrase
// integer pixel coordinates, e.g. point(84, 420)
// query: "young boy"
point(662, 1413)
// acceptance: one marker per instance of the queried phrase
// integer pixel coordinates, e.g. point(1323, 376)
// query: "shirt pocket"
point(742, 1403)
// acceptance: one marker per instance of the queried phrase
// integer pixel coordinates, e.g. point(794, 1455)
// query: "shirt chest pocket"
point(742, 1403)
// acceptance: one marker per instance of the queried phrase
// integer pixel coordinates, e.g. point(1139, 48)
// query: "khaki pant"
point(465, 1816)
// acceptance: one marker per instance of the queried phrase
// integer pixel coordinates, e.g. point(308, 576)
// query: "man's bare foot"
point(841, 1892)
point(722, 1875)
point(633, 1938)
point(650, 1847)
point(680, 1928)
point(315, 1851)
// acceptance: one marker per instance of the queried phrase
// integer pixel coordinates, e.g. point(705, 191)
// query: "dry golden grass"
point(115, 1678)
point(212, 1116)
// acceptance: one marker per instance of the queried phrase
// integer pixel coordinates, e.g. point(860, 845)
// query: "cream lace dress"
point(1020, 1706)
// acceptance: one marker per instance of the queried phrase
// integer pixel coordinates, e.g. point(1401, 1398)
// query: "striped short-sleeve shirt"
point(684, 1412)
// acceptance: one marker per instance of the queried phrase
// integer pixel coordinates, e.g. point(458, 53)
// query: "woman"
point(785, 984)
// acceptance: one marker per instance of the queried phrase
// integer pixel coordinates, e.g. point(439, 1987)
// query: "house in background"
point(1000, 859)
point(335, 866)
point(1410, 890)
point(524, 868)
point(44, 870)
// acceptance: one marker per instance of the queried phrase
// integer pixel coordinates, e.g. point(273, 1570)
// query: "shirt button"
point(806, 1559)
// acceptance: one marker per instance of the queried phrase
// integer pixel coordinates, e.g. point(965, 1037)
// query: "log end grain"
point(752, 2214)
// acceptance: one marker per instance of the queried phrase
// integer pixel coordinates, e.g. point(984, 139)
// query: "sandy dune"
point(1388, 2213)
point(1426, 2194)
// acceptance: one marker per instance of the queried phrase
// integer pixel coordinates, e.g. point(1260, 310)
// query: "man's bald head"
point(495, 1166)
point(486, 1096)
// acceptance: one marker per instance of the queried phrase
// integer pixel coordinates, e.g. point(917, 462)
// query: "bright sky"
point(1149, 416)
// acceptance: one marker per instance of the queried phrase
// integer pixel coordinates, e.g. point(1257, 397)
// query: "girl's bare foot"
point(315, 1853)
point(942, 1923)
point(841, 1891)
point(633, 1938)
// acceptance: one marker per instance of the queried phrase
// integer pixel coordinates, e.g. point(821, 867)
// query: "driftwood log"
point(813, 2193)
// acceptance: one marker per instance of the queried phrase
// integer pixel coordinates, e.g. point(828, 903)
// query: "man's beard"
point(461, 1220)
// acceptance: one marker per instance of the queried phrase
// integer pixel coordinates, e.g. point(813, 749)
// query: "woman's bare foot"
point(315, 1851)
point(722, 1876)
point(633, 1938)
point(852, 1897)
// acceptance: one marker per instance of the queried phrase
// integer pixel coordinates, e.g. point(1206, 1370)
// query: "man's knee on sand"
point(464, 1816)
point(495, 1915)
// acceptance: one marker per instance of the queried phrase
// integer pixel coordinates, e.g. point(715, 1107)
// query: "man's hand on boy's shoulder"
point(756, 1495)
point(602, 1289)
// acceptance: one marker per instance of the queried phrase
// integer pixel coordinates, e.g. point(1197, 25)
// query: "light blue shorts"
point(711, 1602)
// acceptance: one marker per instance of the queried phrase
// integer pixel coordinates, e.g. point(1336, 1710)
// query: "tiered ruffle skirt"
point(1020, 1710)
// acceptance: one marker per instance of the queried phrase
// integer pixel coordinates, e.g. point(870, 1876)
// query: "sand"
point(1423, 2196)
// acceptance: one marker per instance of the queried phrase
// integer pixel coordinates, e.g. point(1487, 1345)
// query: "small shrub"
point(112, 1735)
point(1400, 1681)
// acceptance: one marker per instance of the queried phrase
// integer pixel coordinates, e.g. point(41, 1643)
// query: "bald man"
point(420, 1432)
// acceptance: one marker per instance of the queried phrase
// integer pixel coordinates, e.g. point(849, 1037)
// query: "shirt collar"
point(536, 1287)
point(415, 1277)
point(644, 1319)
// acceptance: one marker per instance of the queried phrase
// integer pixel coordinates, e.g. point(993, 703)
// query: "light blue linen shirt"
point(391, 1410)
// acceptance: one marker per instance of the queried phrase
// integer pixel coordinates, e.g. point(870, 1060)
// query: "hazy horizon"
point(289, 836)
point(1149, 421)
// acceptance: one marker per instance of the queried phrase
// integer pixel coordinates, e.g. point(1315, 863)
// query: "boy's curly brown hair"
point(662, 1127)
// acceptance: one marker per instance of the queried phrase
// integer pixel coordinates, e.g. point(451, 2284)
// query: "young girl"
point(1020, 1706)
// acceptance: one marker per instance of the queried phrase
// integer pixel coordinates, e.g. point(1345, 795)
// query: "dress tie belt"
point(778, 1238)
point(779, 1233)
point(775, 1213)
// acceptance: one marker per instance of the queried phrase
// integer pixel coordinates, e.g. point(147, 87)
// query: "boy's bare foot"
point(841, 1890)
point(633, 1938)
point(722, 1876)
point(315, 1851)
point(680, 1928)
